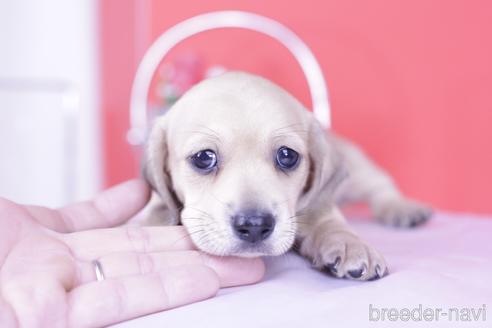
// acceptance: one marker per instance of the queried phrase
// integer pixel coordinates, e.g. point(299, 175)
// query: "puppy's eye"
point(287, 158)
point(204, 160)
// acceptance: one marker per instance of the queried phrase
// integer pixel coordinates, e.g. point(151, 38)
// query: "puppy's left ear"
point(326, 169)
point(155, 168)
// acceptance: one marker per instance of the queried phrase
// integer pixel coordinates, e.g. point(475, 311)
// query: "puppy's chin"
point(246, 250)
point(240, 251)
point(253, 250)
point(250, 254)
point(258, 254)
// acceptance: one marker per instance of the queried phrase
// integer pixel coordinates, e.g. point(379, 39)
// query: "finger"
point(110, 208)
point(110, 301)
point(232, 271)
point(93, 244)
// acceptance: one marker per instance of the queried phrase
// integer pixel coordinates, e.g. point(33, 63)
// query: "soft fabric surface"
point(447, 264)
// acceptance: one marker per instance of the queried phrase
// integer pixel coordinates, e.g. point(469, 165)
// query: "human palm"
point(47, 276)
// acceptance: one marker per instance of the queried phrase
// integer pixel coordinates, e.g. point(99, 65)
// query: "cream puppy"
point(249, 171)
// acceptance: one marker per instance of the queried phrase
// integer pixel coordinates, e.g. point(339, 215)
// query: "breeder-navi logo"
point(421, 313)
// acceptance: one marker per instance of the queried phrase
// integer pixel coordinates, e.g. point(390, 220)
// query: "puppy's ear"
point(155, 167)
point(326, 169)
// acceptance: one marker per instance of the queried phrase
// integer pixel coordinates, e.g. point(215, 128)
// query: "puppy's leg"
point(367, 182)
point(328, 241)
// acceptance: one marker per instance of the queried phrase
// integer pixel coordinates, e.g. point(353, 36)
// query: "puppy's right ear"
point(155, 167)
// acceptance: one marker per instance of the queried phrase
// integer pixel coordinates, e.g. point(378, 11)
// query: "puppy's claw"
point(332, 267)
point(383, 273)
point(379, 273)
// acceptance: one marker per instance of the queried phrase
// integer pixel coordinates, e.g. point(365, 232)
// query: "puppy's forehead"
point(233, 105)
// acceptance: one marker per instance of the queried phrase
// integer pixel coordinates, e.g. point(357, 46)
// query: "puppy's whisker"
point(200, 211)
point(203, 225)
point(208, 216)
point(197, 218)
point(204, 238)
point(187, 235)
point(289, 232)
point(296, 216)
point(295, 219)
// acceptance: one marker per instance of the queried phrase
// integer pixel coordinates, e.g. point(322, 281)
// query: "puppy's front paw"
point(402, 213)
point(344, 255)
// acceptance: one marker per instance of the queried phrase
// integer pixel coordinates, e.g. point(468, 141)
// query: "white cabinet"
point(50, 138)
point(38, 135)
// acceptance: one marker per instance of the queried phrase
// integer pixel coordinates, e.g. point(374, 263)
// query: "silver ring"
point(99, 270)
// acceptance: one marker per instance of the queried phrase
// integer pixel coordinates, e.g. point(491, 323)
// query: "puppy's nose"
point(253, 226)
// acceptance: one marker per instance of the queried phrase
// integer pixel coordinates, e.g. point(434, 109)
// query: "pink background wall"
point(410, 81)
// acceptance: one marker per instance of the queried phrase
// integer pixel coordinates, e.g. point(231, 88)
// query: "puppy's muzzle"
point(253, 226)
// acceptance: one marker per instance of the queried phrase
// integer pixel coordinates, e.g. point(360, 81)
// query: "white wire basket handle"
point(218, 20)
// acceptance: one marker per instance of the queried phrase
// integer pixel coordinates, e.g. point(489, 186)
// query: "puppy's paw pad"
point(356, 274)
point(402, 213)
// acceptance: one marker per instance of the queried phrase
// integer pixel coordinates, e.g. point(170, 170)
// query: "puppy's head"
point(237, 160)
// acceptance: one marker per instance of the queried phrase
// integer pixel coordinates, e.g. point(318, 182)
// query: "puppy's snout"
point(253, 226)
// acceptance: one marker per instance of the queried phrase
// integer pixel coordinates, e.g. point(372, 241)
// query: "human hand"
point(47, 276)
